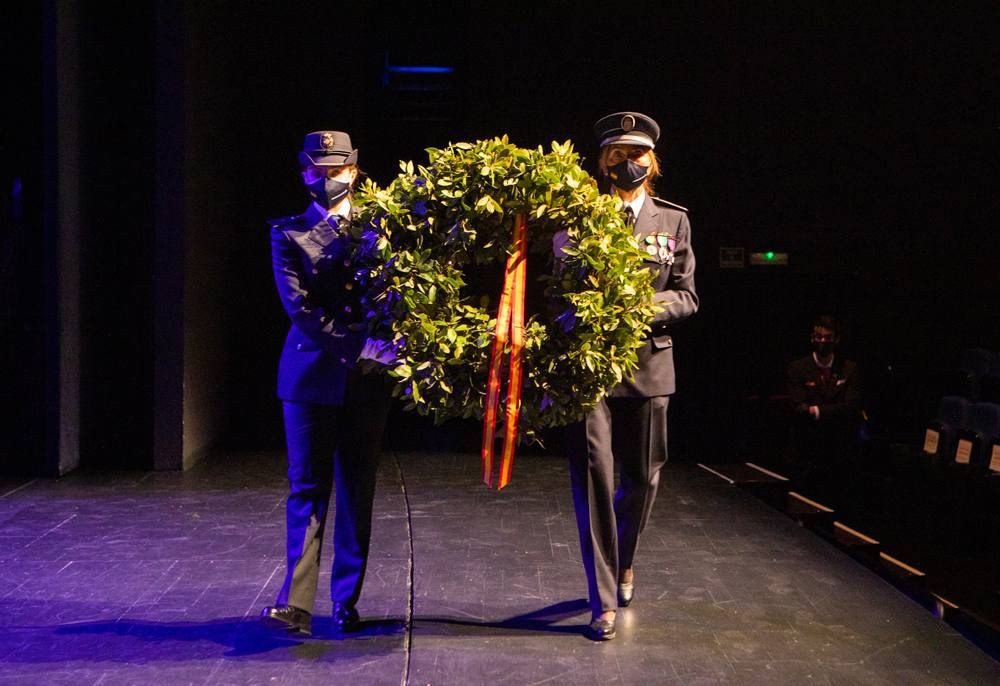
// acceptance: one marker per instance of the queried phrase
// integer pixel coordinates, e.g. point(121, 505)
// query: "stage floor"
point(158, 578)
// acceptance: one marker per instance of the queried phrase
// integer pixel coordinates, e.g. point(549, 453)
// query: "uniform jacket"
point(838, 399)
point(673, 283)
point(316, 282)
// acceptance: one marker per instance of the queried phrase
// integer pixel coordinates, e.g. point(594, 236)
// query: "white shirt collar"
point(820, 364)
point(328, 214)
point(636, 204)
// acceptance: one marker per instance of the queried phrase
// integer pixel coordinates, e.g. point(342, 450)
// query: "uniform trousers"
point(633, 430)
point(327, 444)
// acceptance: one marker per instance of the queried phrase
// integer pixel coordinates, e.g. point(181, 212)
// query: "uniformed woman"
point(334, 414)
point(630, 423)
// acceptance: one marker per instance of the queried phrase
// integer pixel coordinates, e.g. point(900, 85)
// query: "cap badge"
point(628, 122)
point(327, 140)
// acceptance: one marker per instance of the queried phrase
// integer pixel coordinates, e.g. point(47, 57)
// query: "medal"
point(661, 245)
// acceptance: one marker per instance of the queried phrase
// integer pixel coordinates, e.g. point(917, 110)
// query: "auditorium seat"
point(984, 421)
point(993, 457)
point(952, 417)
point(967, 495)
point(923, 490)
point(971, 442)
point(990, 521)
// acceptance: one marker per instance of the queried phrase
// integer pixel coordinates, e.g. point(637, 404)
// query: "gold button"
point(347, 263)
point(348, 286)
point(347, 309)
point(343, 360)
point(315, 271)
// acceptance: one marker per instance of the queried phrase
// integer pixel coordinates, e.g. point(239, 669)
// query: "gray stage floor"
point(144, 578)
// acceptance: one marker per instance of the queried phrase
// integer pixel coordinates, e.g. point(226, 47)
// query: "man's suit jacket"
point(673, 283)
point(317, 284)
point(838, 399)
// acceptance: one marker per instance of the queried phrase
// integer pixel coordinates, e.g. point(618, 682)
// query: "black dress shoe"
point(625, 593)
point(287, 618)
point(601, 630)
point(345, 617)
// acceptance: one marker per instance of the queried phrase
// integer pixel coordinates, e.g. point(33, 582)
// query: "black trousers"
point(327, 444)
point(633, 430)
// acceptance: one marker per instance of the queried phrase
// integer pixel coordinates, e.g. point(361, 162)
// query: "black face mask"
point(328, 192)
point(627, 175)
point(823, 348)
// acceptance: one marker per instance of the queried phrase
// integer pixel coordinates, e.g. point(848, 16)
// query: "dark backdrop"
point(864, 144)
point(22, 310)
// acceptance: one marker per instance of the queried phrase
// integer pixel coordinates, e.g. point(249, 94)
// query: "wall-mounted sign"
point(731, 258)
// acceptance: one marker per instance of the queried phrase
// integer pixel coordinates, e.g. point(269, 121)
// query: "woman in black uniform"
point(630, 423)
point(334, 414)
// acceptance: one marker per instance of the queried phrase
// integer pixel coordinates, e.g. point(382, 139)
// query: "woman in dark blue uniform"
point(630, 423)
point(334, 414)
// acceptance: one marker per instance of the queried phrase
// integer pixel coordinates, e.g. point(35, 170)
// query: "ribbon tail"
point(516, 350)
point(493, 386)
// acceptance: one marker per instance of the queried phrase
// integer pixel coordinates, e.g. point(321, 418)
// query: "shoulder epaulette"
point(667, 203)
point(284, 221)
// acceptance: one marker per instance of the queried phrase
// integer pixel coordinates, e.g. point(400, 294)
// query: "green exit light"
point(769, 258)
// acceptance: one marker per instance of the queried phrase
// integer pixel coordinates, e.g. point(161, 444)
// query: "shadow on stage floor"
point(158, 578)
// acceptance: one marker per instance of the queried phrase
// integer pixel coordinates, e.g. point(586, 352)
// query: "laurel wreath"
point(432, 223)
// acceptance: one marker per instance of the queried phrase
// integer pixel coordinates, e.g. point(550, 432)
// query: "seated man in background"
point(824, 390)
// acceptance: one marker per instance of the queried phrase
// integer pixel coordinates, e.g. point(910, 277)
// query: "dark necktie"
point(342, 226)
point(629, 216)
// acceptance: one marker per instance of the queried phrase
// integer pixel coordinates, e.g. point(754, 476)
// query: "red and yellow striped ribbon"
point(510, 323)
